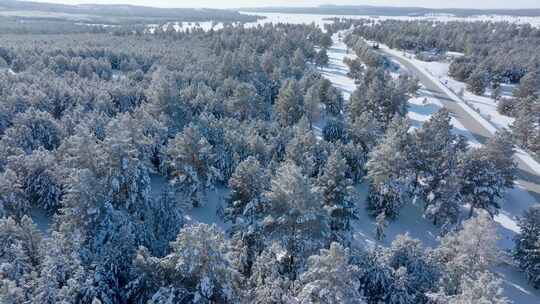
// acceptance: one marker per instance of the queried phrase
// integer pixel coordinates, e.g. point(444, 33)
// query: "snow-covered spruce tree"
point(190, 162)
point(527, 245)
point(332, 100)
point(268, 283)
point(306, 151)
point(33, 129)
point(355, 158)
point(365, 131)
point(380, 226)
point(166, 102)
point(501, 150)
point(62, 278)
point(335, 129)
point(338, 193)
point(20, 258)
point(484, 288)
point(388, 171)
point(127, 175)
point(38, 176)
point(528, 85)
point(13, 202)
point(444, 202)
point(413, 270)
point(434, 157)
point(483, 184)
point(247, 185)
point(330, 278)
point(288, 105)
point(379, 96)
point(467, 253)
point(312, 105)
point(375, 276)
point(198, 270)
point(293, 215)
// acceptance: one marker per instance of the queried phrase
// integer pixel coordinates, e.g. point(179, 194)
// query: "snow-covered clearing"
point(323, 19)
point(411, 221)
point(208, 213)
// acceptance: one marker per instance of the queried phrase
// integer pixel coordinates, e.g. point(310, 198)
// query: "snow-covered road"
point(431, 98)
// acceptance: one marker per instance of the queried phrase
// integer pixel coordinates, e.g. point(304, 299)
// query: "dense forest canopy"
point(118, 136)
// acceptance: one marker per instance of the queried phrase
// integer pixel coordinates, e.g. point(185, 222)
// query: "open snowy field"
point(322, 19)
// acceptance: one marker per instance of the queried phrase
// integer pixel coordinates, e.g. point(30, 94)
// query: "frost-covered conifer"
point(467, 252)
point(527, 245)
point(288, 105)
point(247, 184)
point(483, 182)
point(38, 176)
point(330, 278)
point(294, 215)
point(388, 171)
point(33, 129)
point(13, 200)
point(199, 268)
point(190, 161)
point(338, 193)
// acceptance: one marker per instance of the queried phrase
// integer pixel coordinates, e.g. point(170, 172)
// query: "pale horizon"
point(482, 4)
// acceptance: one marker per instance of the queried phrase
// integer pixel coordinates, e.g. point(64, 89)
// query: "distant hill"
point(117, 13)
point(368, 10)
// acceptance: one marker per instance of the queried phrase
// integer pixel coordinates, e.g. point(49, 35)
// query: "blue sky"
point(258, 3)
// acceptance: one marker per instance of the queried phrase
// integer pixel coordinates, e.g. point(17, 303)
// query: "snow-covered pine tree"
point(312, 105)
point(247, 184)
point(199, 269)
point(305, 150)
point(13, 202)
point(414, 273)
point(467, 252)
point(527, 245)
point(20, 257)
point(294, 215)
point(388, 171)
point(483, 288)
point(288, 105)
point(38, 175)
point(190, 162)
point(483, 183)
point(434, 155)
point(33, 129)
point(268, 282)
point(501, 150)
point(330, 278)
point(338, 193)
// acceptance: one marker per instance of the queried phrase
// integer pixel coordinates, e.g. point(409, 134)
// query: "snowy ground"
point(484, 104)
point(208, 213)
point(323, 19)
point(411, 221)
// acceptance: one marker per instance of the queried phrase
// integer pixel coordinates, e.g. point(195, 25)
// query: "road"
point(527, 177)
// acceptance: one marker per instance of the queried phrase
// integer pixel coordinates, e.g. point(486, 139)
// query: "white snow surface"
point(323, 19)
